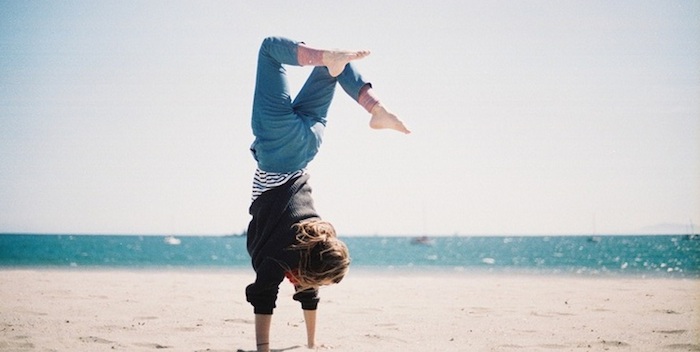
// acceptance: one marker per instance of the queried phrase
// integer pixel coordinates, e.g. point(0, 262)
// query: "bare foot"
point(335, 61)
point(384, 119)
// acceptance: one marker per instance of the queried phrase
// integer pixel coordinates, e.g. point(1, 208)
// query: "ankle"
point(367, 99)
point(309, 57)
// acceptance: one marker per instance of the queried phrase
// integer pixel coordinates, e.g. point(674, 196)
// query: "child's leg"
point(334, 60)
point(272, 95)
point(280, 135)
point(315, 96)
point(361, 91)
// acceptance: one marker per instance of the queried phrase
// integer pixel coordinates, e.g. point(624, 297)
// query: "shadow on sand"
point(274, 349)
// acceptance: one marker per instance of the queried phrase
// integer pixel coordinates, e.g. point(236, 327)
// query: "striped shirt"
point(265, 181)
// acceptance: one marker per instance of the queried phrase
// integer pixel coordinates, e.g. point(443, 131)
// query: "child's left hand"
point(320, 347)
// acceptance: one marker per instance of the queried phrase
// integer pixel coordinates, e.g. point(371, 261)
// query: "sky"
point(528, 117)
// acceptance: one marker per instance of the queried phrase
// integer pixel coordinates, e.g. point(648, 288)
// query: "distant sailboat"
point(594, 238)
point(423, 240)
point(692, 235)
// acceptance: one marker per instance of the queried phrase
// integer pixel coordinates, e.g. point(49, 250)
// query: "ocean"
point(662, 255)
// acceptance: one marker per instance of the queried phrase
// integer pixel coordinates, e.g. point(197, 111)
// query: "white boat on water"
point(172, 240)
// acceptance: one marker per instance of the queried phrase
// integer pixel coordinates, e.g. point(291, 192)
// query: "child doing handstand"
point(286, 236)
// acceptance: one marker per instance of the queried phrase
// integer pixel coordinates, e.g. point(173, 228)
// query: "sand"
point(190, 310)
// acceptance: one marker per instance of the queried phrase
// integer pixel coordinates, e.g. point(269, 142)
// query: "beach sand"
point(190, 310)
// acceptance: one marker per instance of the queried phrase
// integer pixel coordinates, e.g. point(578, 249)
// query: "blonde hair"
point(323, 257)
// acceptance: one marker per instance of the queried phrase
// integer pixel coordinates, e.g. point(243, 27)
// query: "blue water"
point(672, 256)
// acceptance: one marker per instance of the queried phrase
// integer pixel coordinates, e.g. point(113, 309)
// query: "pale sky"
point(529, 117)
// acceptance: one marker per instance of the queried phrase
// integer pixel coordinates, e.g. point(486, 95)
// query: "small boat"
point(172, 240)
point(422, 240)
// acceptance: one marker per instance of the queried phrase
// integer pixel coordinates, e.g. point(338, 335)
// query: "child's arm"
point(262, 331)
point(310, 319)
point(309, 302)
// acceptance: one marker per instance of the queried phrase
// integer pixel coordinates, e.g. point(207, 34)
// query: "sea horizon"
point(433, 235)
point(596, 255)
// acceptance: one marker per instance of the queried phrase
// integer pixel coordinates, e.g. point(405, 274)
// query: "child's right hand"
point(321, 347)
